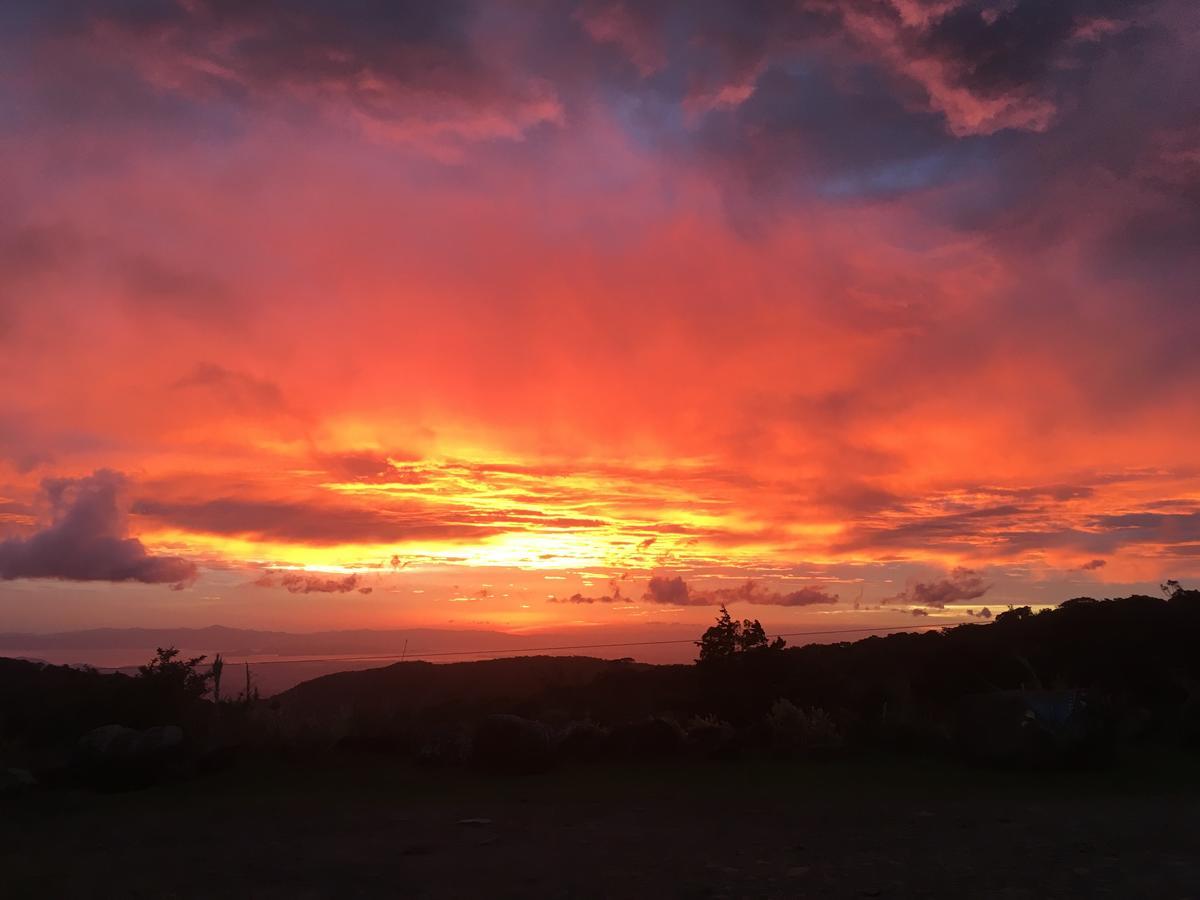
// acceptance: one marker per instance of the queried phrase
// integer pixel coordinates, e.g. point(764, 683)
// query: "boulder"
point(116, 744)
point(108, 742)
point(161, 740)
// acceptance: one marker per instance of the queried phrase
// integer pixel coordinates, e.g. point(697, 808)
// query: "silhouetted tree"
point(729, 637)
point(1014, 615)
point(1177, 593)
point(251, 693)
point(218, 666)
point(172, 683)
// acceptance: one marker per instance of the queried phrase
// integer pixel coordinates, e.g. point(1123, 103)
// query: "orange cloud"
point(801, 297)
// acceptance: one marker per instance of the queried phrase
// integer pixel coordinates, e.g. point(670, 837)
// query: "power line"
point(519, 650)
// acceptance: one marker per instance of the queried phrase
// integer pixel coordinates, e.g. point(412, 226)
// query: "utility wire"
point(589, 646)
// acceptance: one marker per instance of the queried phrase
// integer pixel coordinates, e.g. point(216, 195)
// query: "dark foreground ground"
point(363, 827)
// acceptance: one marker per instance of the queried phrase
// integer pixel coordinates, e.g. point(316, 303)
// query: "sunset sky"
point(351, 313)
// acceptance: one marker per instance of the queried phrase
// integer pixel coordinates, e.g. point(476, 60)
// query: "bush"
point(909, 729)
point(446, 746)
point(652, 738)
point(710, 738)
point(511, 744)
point(387, 735)
point(583, 742)
point(796, 731)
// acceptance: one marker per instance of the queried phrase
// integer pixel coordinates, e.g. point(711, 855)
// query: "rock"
point(116, 744)
point(159, 740)
point(108, 742)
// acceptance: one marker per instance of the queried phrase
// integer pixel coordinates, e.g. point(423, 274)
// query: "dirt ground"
point(367, 827)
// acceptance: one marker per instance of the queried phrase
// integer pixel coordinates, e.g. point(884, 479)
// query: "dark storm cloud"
point(670, 591)
point(973, 520)
point(674, 591)
point(1002, 120)
point(578, 598)
point(405, 71)
point(867, 99)
point(1170, 533)
point(614, 595)
point(86, 539)
point(995, 47)
point(581, 598)
point(1151, 527)
point(855, 100)
point(946, 530)
point(310, 583)
point(298, 43)
point(961, 584)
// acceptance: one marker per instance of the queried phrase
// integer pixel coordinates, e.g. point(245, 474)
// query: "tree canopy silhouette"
point(729, 637)
point(174, 681)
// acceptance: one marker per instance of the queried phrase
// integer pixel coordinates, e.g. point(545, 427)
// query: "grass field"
point(365, 827)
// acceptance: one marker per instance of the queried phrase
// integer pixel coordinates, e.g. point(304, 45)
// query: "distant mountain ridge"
point(281, 659)
point(252, 642)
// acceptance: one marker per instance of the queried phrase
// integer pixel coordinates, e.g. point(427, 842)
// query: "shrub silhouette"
point(172, 685)
point(797, 731)
point(511, 744)
point(654, 738)
point(709, 738)
point(583, 742)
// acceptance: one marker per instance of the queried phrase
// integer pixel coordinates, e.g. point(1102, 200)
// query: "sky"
point(539, 314)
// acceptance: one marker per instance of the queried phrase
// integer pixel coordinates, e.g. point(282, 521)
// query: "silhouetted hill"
point(411, 686)
point(1095, 669)
point(280, 660)
point(1135, 655)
